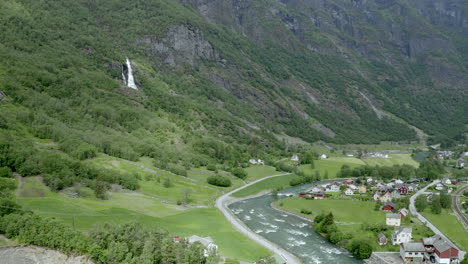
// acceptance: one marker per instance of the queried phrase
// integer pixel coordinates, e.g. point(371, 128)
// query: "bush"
point(211, 167)
point(361, 249)
point(239, 173)
point(306, 212)
point(5, 172)
point(177, 171)
point(219, 180)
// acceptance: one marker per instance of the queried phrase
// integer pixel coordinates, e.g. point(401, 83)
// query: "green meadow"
point(332, 165)
point(394, 159)
point(268, 184)
point(121, 207)
point(450, 225)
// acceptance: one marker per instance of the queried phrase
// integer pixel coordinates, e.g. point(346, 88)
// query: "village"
point(430, 249)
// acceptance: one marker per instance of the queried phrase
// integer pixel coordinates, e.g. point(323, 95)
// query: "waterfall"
point(131, 80)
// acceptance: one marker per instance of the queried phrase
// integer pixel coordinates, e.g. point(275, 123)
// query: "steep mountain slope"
point(222, 81)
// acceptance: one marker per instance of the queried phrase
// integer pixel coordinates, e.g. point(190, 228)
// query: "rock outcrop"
point(38, 255)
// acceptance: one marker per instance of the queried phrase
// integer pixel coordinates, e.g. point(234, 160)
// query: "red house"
point(302, 194)
point(403, 190)
point(348, 182)
point(444, 251)
point(319, 195)
point(389, 206)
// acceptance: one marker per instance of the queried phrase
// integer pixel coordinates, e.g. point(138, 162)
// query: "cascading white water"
point(131, 80)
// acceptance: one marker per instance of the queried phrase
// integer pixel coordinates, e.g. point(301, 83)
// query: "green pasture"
point(267, 184)
point(450, 225)
point(122, 207)
point(394, 159)
point(332, 165)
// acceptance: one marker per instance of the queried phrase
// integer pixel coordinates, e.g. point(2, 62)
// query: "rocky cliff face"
point(183, 44)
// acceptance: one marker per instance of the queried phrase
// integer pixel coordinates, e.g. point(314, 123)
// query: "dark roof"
point(414, 247)
point(401, 229)
point(441, 244)
point(390, 215)
point(381, 235)
point(390, 203)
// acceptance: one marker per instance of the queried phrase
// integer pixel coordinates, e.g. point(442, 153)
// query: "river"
point(288, 231)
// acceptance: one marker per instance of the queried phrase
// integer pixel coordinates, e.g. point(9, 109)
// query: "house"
point(210, 247)
point(398, 181)
point(441, 250)
point(440, 187)
point(393, 219)
point(402, 188)
point(261, 162)
point(389, 206)
point(404, 212)
point(323, 156)
point(362, 189)
point(319, 195)
point(353, 187)
point(382, 239)
point(370, 180)
point(349, 191)
point(253, 161)
point(402, 235)
point(316, 189)
point(412, 252)
point(413, 181)
point(461, 163)
point(295, 158)
point(332, 188)
point(383, 197)
point(412, 187)
point(176, 239)
point(446, 181)
point(348, 182)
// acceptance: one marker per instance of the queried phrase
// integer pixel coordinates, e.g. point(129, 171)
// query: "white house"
point(369, 180)
point(323, 156)
point(253, 161)
point(447, 181)
point(349, 191)
point(261, 162)
point(332, 188)
point(316, 189)
point(210, 247)
point(295, 158)
point(402, 235)
point(393, 219)
point(353, 187)
point(412, 252)
point(398, 181)
point(440, 187)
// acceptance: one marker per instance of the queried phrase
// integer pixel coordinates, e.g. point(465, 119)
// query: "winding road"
point(226, 199)
point(427, 222)
point(456, 206)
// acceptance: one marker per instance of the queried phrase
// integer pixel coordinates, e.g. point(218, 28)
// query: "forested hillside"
point(221, 81)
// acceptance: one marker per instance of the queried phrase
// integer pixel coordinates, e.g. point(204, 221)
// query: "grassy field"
point(346, 211)
point(332, 165)
point(449, 224)
point(395, 159)
point(268, 184)
point(123, 207)
point(349, 217)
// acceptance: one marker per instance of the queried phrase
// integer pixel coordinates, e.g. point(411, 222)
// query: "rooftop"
point(413, 247)
point(395, 216)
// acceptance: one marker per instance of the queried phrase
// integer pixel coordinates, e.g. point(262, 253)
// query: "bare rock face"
point(38, 255)
point(183, 44)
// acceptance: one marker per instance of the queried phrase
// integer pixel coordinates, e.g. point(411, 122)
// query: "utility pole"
point(73, 217)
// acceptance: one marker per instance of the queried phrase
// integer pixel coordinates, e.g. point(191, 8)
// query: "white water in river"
point(131, 80)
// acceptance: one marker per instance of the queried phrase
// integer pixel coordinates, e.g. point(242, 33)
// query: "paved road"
point(222, 203)
point(424, 220)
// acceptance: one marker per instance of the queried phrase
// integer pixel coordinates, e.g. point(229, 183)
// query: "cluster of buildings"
point(433, 249)
point(320, 191)
point(256, 162)
point(386, 192)
point(381, 155)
